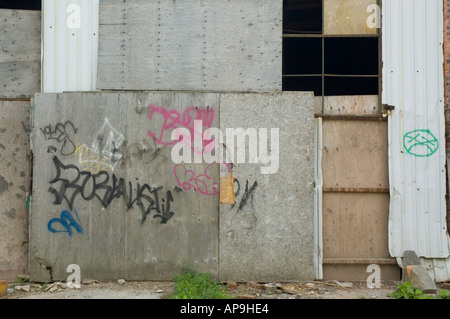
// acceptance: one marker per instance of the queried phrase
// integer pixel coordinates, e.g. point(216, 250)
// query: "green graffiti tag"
point(420, 143)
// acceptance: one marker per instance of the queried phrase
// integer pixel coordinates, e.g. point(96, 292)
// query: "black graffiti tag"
point(248, 193)
point(62, 133)
point(105, 188)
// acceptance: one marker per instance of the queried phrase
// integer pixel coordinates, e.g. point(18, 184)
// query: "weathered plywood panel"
point(347, 17)
point(355, 154)
point(359, 105)
point(358, 272)
point(14, 187)
point(190, 45)
point(355, 227)
point(103, 160)
point(20, 55)
point(266, 228)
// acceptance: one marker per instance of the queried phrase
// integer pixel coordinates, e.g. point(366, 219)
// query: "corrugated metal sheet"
point(70, 45)
point(413, 83)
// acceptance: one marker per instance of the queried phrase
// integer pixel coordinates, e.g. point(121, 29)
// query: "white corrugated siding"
point(413, 82)
point(69, 54)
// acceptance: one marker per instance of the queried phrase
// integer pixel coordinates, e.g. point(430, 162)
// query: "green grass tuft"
point(194, 285)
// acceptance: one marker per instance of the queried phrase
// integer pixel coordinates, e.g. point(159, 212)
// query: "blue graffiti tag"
point(67, 222)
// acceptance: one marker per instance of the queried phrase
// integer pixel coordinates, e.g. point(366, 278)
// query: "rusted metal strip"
point(338, 117)
point(359, 261)
point(355, 190)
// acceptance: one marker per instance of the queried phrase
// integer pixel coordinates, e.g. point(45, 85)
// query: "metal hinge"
point(388, 107)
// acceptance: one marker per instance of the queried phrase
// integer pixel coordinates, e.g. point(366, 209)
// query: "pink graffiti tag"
point(173, 120)
point(202, 183)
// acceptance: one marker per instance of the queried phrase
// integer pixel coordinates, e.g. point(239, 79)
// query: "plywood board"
point(355, 225)
point(355, 154)
point(190, 45)
point(20, 56)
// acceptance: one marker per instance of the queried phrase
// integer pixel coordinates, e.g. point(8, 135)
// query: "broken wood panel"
point(358, 105)
point(21, 53)
point(347, 17)
point(355, 154)
point(15, 171)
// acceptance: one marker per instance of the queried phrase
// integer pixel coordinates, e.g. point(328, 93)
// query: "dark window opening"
point(302, 56)
point(351, 56)
point(302, 16)
point(326, 64)
point(21, 4)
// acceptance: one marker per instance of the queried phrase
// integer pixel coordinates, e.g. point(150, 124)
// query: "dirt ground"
point(92, 289)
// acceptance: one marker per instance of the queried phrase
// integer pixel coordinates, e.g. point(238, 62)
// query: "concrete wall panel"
point(14, 186)
point(190, 45)
point(267, 234)
point(98, 169)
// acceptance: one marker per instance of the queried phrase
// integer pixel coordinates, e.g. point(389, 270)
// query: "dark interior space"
point(302, 16)
point(304, 83)
point(351, 56)
point(350, 86)
point(21, 4)
point(302, 56)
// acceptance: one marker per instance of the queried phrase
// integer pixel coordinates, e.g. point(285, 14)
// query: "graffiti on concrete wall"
point(66, 223)
point(247, 195)
point(174, 120)
point(63, 133)
point(71, 183)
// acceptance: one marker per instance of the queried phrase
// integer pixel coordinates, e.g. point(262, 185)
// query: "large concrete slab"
point(212, 45)
point(106, 195)
point(266, 228)
point(15, 171)
point(98, 156)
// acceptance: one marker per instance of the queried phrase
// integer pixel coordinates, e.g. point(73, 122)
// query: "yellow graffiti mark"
point(90, 160)
point(227, 189)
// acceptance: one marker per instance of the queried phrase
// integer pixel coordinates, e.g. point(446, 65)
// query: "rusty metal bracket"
point(388, 107)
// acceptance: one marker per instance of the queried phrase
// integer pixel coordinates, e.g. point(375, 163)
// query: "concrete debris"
point(343, 284)
point(271, 288)
point(414, 272)
point(89, 281)
point(121, 281)
point(231, 284)
point(25, 288)
point(310, 285)
point(56, 285)
point(420, 279)
point(289, 290)
point(255, 285)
